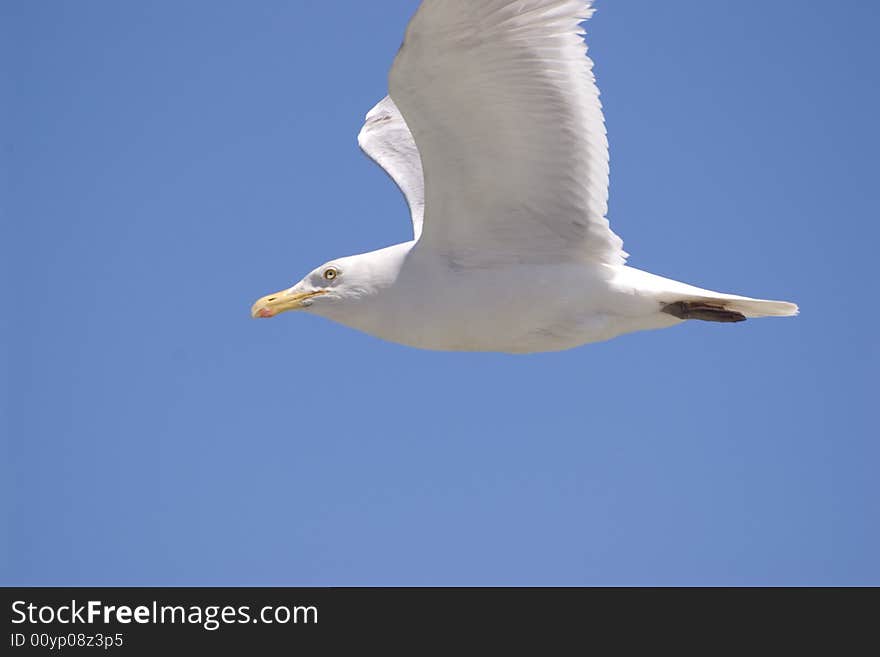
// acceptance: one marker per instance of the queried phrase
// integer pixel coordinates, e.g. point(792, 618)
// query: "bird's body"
point(423, 300)
point(494, 133)
point(427, 301)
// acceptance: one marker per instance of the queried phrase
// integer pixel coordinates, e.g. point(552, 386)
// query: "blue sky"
point(163, 164)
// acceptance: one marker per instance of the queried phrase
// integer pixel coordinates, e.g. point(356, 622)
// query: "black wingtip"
point(703, 311)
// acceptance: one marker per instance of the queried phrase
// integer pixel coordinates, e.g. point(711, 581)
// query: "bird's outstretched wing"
point(386, 139)
point(501, 99)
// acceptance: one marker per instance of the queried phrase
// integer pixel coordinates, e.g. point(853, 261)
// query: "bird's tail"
point(727, 308)
point(688, 302)
point(757, 307)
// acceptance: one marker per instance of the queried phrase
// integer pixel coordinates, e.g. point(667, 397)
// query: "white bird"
point(499, 147)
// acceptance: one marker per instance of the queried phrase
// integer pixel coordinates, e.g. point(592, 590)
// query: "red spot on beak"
point(265, 313)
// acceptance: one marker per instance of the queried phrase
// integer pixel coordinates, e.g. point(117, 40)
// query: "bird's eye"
point(330, 273)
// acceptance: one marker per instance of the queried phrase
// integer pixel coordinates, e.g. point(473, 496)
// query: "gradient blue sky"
point(165, 163)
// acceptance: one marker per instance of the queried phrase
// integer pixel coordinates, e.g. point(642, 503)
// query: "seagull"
point(494, 132)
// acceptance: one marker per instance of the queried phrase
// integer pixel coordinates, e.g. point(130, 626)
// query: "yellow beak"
point(280, 302)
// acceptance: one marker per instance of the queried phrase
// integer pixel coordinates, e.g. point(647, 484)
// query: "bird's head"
point(334, 288)
point(327, 284)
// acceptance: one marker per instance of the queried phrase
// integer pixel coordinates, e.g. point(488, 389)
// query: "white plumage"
point(386, 138)
point(494, 132)
point(501, 99)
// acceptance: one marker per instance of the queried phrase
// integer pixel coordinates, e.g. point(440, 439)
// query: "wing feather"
point(386, 139)
point(502, 102)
